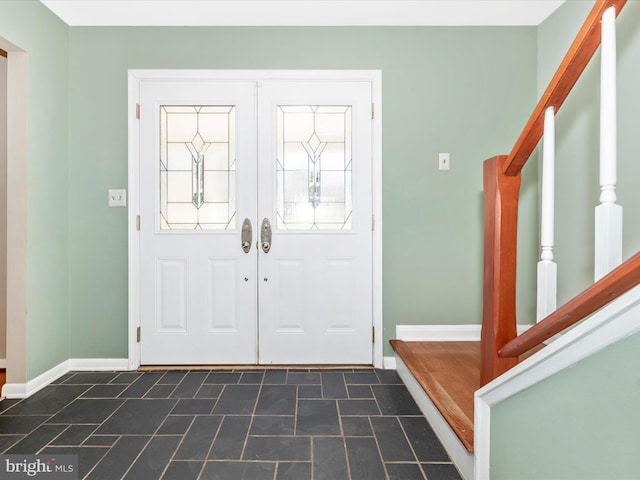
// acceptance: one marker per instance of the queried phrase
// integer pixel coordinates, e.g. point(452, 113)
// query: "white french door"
point(197, 179)
point(314, 164)
point(255, 232)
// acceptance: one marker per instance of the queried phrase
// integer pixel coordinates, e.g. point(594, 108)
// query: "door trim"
point(137, 77)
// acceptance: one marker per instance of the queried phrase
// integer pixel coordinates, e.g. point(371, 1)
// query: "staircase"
point(456, 383)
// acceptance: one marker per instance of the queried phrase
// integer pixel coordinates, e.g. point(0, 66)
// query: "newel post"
point(499, 296)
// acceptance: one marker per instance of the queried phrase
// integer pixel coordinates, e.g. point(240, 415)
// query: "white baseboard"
point(24, 390)
point(443, 333)
point(389, 363)
point(3, 363)
point(463, 460)
point(98, 364)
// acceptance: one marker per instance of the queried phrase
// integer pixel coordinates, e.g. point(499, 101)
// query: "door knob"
point(245, 235)
point(265, 235)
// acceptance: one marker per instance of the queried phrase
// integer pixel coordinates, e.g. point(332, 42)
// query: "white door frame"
point(136, 77)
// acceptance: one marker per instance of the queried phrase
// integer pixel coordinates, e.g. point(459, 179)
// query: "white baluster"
point(547, 268)
point(608, 221)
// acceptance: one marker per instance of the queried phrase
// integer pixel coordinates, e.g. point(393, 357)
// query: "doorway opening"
point(13, 218)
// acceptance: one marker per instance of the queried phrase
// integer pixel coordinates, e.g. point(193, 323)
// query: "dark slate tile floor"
point(294, 424)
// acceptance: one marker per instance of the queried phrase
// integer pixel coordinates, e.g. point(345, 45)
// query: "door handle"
point(265, 235)
point(245, 235)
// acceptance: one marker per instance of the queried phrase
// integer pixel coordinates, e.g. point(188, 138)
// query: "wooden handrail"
point(575, 61)
point(605, 290)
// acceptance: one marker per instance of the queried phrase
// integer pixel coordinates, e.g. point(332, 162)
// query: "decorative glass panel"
point(313, 178)
point(197, 168)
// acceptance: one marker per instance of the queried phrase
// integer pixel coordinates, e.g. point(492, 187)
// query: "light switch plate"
point(443, 161)
point(117, 198)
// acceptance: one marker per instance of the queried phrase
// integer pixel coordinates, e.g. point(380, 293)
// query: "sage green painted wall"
point(577, 142)
point(582, 423)
point(467, 91)
point(33, 28)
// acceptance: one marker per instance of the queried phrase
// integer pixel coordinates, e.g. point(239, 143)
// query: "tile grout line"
point(375, 436)
point(213, 441)
point(375, 439)
point(101, 424)
point(137, 456)
point(155, 433)
point(183, 435)
point(215, 436)
point(295, 410)
point(311, 452)
point(253, 414)
point(413, 450)
point(346, 452)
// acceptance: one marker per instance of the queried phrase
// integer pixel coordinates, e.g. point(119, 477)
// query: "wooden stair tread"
point(449, 373)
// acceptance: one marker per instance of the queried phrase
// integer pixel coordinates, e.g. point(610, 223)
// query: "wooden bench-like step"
point(449, 373)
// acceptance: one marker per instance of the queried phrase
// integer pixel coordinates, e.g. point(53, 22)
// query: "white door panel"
point(222, 301)
point(171, 298)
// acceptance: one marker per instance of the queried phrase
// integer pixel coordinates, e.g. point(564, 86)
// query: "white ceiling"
point(302, 12)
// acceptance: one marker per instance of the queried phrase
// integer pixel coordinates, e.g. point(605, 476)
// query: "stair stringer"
point(613, 323)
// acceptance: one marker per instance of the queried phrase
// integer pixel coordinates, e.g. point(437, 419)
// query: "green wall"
point(582, 424)
point(467, 91)
point(33, 28)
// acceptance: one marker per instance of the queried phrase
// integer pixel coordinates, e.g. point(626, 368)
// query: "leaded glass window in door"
point(197, 167)
point(314, 168)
